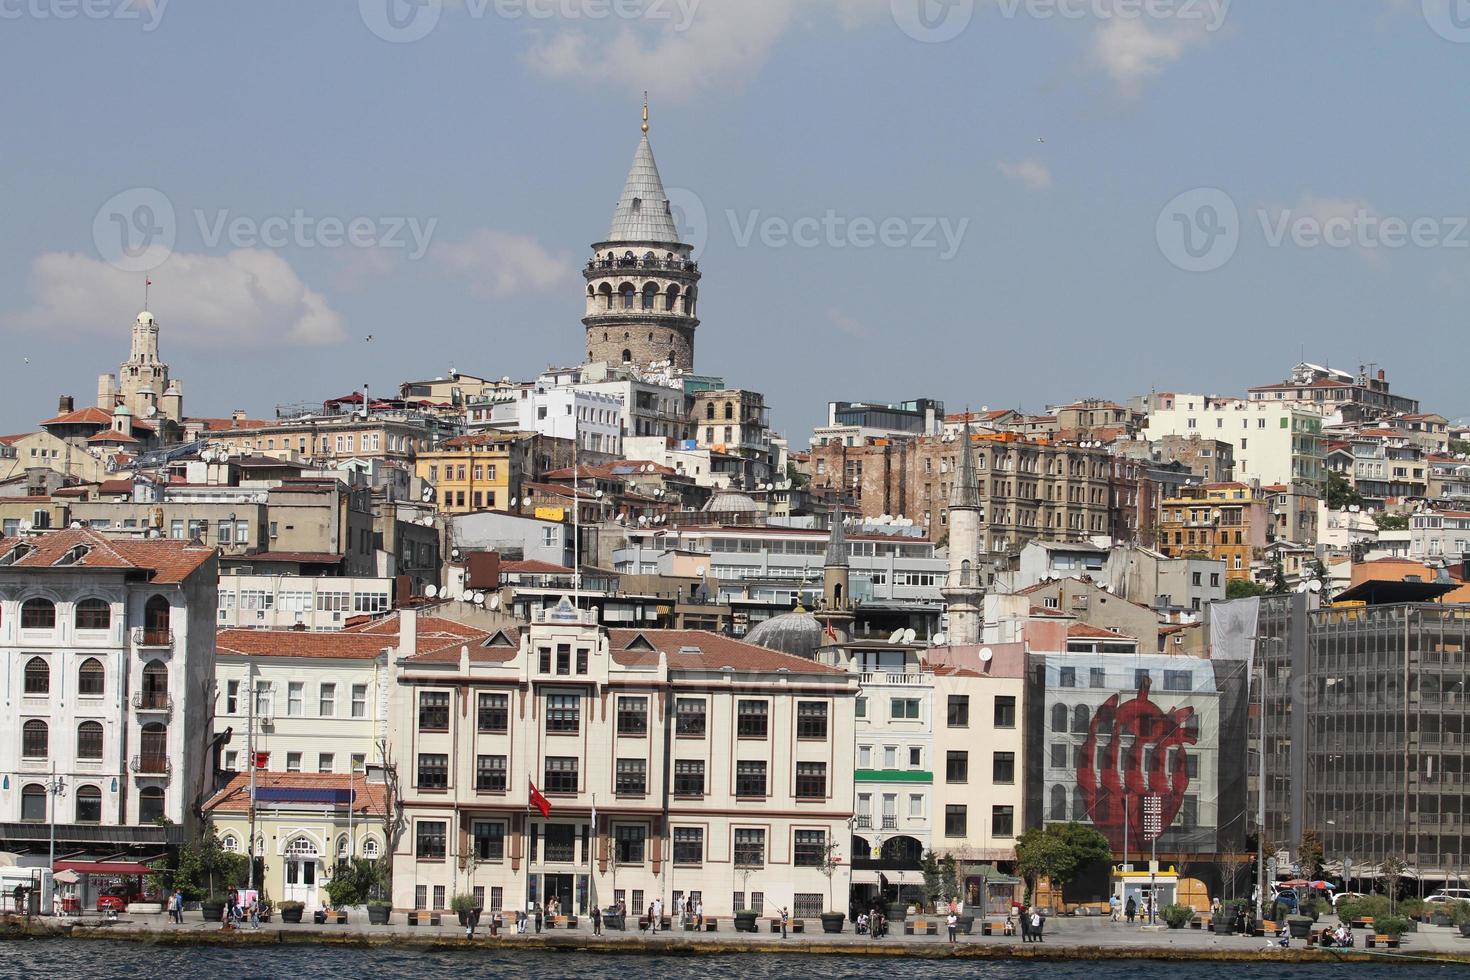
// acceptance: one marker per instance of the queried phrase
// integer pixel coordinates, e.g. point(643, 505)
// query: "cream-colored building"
point(674, 763)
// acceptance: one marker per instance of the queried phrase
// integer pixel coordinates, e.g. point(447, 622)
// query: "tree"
point(1239, 588)
point(1392, 869)
point(1309, 856)
point(1341, 493)
point(355, 882)
point(933, 877)
point(1058, 852)
point(204, 868)
point(1278, 578)
point(1459, 447)
point(1390, 522)
point(831, 862)
point(949, 870)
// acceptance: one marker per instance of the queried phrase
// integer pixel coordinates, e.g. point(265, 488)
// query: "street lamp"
point(55, 787)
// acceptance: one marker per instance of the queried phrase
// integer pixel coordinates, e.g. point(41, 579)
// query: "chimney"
point(1381, 375)
point(408, 632)
point(64, 404)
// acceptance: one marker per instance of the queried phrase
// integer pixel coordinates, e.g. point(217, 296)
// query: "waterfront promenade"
point(1065, 938)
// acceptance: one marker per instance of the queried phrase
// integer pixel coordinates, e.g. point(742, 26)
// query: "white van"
point(1446, 895)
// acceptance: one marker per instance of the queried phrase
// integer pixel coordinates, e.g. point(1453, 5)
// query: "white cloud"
point(846, 324)
point(1032, 173)
point(248, 297)
point(1134, 50)
point(496, 264)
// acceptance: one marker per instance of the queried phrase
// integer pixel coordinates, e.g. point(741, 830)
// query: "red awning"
point(103, 867)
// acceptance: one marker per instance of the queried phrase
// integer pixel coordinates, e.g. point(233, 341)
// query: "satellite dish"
point(986, 655)
point(428, 494)
point(459, 595)
point(479, 598)
point(940, 639)
point(453, 552)
point(495, 602)
point(699, 571)
point(431, 590)
point(642, 518)
point(514, 501)
point(1301, 589)
point(597, 494)
point(1315, 585)
point(909, 636)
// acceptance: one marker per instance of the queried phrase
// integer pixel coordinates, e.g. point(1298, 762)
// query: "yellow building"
point(475, 472)
point(1226, 521)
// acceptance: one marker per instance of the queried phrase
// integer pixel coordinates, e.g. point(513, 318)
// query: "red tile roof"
point(12, 440)
point(533, 567)
point(109, 435)
point(115, 486)
point(701, 650)
point(1095, 632)
point(439, 640)
point(305, 557)
point(169, 560)
point(216, 425)
point(299, 643)
point(91, 415)
point(235, 796)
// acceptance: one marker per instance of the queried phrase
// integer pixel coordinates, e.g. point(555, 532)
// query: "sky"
point(992, 202)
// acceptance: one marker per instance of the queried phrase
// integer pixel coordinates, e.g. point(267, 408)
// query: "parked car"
point(1338, 898)
point(117, 898)
point(1447, 895)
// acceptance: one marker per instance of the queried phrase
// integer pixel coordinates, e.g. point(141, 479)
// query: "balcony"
point(153, 638)
point(890, 822)
point(882, 677)
point(152, 701)
point(864, 821)
point(151, 765)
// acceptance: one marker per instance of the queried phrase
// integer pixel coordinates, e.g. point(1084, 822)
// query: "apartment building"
point(1275, 441)
point(1331, 391)
point(672, 763)
point(733, 420)
point(1227, 522)
point(856, 423)
point(1208, 460)
point(107, 650)
point(284, 602)
point(1439, 534)
point(592, 418)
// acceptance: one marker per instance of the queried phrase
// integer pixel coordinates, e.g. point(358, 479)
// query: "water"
point(96, 960)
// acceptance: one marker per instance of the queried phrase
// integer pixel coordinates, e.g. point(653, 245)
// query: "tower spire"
point(966, 491)
point(836, 539)
point(645, 112)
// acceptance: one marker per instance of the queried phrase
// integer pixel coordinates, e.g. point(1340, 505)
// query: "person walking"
point(176, 906)
point(784, 919)
point(657, 914)
point(255, 914)
point(1036, 925)
point(1130, 910)
point(596, 921)
point(953, 922)
point(699, 915)
point(1024, 915)
point(1113, 907)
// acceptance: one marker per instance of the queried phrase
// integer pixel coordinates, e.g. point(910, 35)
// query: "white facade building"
point(1275, 442)
point(594, 418)
point(282, 602)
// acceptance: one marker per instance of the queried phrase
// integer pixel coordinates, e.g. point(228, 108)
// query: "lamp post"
point(55, 787)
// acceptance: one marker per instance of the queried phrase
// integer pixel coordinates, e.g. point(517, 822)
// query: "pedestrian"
point(1113, 907)
point(254, 914)
point(953, 922)
point(596, 921)
point(1036, 925)
point(699, 915)
point(783, 922)
point(655, 913)
point(1130, 910)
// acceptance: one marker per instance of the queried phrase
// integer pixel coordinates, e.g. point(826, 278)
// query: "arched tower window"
point(649, 292)
point(627, 356)
point(626, 291)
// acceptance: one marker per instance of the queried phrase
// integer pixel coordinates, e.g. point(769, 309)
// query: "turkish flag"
point(262, 760)
point(540, 802)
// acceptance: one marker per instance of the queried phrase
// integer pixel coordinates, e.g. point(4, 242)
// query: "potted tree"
point(831, 861)
point(1460, 917)
point(1300, 926)
point(291, 911)
point(1391, 927)
point(744, 918)
point(1178, 916)
point(954, 893)
point(463, 906)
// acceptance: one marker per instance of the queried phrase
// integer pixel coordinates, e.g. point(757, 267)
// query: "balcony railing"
point(890, 822)
point(151, 765)
point(151, 701)
point(864, 822)
point(148, 636)
point(882, 677)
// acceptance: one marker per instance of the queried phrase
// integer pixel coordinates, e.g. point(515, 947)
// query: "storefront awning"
point(103, 867)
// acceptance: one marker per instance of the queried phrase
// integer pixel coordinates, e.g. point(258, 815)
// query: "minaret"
point(963, 591)
point(836, 612)
point(642, 281)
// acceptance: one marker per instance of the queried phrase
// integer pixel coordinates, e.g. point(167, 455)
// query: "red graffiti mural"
point(1115, 793)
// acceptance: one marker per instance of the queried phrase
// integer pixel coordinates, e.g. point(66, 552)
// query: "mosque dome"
point(798, 633)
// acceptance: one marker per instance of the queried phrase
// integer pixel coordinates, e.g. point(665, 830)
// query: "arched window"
point(35, 740)
point(649, 292)
point(1059, 717)
point(729, 410)
point(229, 842)
point(93, 614)
point(342, 847)
point(38, 676)
point(150, 804)
point(33, 803)
point(154, 747)
point(156, 619)
point(370, 848)
point(155, 685)
point(301, 847)
point(709, 410)
point(626, 291)
point(1079, 805)
point(1058, 803)
point(89, 740)
point(38, 614)
point(671, 299)
point(627, 356)
point(1081, 717)
point(605, 291)
point(91, 678)
point(89, 804)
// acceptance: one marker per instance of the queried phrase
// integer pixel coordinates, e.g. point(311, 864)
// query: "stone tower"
point(837, 608)
point(964, 589)
point(142, 380)
point(642, 282)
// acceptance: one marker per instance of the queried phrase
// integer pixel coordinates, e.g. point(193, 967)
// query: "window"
point(91, 678)
point(689, 845)
point(264, 699)
point(959, 711)
point(809, 848)
point(93, 614)
point(689, 717)
point(89, 805)
point(957, 767)
point(494, 713)
point(1005, 712)
point(433, 771)
point(359, 700)
point(1003, 821)
point(632, 716)
point(903, 708)
point(1003, 768)
point(807, 905)
point(630, 841)
point(1067, 677)
point(33, 803)
point(956, 820)
point(150, 805)
point(490, 773)
point(326, 762)
point(811, 780)
point(750, 848)
point(293, 761)
point(489, 840)
point(38, 676)
point(811, 720)
point(563, 713)
point(89, 740)
point(632, 777)
point(35, 740)
point(689, 778)
point(358, 761)
point(327, 701)
point(1058, 755)
point(430, 840)
point(860, 708)
point(38, 614)
point(750, 778)
point(752, 719)
point(1178, 680)
point(1140, 678)
point(434, 711)
point(561, 774)
point(1097, 677)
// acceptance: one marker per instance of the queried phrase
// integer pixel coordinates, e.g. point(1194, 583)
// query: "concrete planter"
point(379, 915)
point(292, 914)
point(897, 912)
point(745, 921)
point(212, 911)
point(145, 908)
point(832, 921)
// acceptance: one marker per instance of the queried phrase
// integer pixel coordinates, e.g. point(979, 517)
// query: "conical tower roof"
point(966, 491)
point(643, 213)
point(836, 540)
